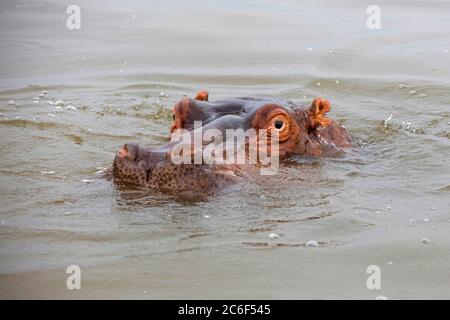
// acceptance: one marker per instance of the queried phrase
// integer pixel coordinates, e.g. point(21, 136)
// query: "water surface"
point(119, 77)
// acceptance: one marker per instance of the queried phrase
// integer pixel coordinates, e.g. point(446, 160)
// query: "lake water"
point(386, 203)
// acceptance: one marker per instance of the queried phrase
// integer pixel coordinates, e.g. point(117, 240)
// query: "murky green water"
point(119, 77)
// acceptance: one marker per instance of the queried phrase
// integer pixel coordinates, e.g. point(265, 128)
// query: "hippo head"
point(298, 131)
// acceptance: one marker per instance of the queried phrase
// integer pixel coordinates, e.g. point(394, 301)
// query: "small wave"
point(75, 138)
point(269, 245)
point(41, 125)
point(150, 86)
point(38, 88)
point(445, 189)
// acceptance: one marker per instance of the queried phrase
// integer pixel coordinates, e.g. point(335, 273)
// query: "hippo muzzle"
point(153, 168)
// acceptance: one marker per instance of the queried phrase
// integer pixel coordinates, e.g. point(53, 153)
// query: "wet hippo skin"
point(302, 130)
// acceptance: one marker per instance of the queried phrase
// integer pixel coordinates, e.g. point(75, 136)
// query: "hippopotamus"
point(300, 130)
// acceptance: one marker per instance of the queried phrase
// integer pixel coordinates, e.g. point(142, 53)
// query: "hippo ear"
point(202, 95)
point(317, 111)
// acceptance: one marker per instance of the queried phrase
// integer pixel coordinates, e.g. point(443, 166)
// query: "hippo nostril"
point(128, 151)
point(122, 152)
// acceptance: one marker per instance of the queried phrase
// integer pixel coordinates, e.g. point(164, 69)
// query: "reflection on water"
point(69, 100)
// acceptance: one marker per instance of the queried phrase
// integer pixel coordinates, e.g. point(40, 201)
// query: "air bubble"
point(312, 243)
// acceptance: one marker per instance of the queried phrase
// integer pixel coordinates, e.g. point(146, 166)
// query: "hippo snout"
point(153, 168)
point(131, 164)
point(129, 150)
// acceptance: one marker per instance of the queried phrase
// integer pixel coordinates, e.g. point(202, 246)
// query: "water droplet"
point(11, 102)
point(273, 236)
point(312, 243)
point(47, 172)
point(425, 241)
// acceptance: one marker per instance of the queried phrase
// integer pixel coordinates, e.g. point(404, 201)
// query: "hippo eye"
point(278, 124)
point(281, 125)
point(173, 116)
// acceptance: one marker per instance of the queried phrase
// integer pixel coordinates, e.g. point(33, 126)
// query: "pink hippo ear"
point(317, 111)
point(202, 95)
